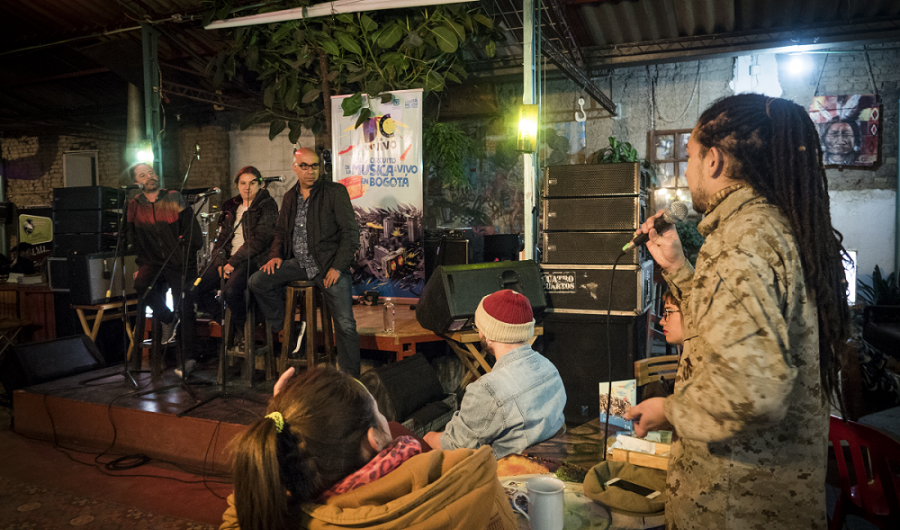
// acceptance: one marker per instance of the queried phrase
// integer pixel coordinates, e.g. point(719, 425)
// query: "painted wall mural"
point(849, 128)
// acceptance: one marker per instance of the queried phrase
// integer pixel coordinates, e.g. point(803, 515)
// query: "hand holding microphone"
point(666, 249)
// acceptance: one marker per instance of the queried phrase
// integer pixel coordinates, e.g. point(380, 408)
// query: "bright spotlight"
point(800, 64)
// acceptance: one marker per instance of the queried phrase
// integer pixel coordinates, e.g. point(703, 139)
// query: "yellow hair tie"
point(278, 419)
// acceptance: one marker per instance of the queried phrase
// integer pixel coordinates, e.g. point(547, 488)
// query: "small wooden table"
point(406, 335)
point(100, 315)
point(9, 330)
point(465, 345)
point(581, 446)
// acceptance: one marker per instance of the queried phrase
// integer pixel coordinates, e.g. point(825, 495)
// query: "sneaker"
point(169, 331)
point(297, 340)
point(189, 366)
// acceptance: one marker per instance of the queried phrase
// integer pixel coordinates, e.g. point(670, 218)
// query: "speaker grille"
point(592, 214)
point(592, 180)
point(590, 248)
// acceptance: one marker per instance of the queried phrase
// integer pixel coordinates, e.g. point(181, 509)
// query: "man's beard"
point(485, 348)
point(152, 185)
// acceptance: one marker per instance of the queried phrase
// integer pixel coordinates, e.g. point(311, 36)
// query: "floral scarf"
point(389, 459)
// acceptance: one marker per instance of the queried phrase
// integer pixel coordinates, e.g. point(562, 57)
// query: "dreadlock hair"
point(774, 146)
point(327, 415)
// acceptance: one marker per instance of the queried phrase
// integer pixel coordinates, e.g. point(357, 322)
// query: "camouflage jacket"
point(748, 407)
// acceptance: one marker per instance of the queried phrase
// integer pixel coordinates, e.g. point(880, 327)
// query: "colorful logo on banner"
point(34, 229)
point(380, 163)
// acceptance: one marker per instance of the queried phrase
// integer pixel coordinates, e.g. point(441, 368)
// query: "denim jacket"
point(518, 404)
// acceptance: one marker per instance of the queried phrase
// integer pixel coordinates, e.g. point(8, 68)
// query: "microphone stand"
point(126, 373)
point(180, 311)
point(223, 356)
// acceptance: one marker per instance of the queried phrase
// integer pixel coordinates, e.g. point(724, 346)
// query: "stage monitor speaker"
point(585, 289)
point(87, 198)
point(592, 180)
point(451, 296)
point(40, 362)
point(501, 247)
point(590, 248)
point(593, 214)
point(576, 345)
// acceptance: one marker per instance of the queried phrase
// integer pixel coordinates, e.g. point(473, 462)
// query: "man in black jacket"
point(316, 236)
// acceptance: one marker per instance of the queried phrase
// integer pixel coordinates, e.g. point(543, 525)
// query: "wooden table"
point(99, 315)
point(465, 345)
point(31, 302)
point(402, 341)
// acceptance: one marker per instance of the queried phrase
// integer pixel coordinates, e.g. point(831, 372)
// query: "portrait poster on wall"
point(849, 128)
point(380, 163)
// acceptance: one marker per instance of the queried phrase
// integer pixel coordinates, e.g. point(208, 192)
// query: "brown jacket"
point(442, 490)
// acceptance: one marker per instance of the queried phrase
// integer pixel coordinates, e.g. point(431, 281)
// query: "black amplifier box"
point(66, 244)
point(88, 198)
point(88, 277)
point(590, 248)
point(85, 221)
point(585, 289)
point(593, 213)
point(592, 180)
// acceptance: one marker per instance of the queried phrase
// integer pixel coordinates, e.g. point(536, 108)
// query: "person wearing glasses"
point(671, 320)
point(316, 236)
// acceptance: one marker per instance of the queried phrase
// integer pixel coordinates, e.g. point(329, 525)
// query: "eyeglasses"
point(668, 312)
point(307, 167)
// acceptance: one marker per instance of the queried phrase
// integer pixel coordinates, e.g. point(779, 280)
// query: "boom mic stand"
point(120, 246)
point(180, 311)
point(223, 356)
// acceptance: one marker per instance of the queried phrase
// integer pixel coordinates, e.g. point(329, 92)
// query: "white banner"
point(380, 163)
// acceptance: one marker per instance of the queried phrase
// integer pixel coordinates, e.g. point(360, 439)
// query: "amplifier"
point(85, 221)
point(593, 180)
point(585, 289)
point(88, 198)
point(590, 248)
point(87, 277)
point(65, 244)
point(593, 214)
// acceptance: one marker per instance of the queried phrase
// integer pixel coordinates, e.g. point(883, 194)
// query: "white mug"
point(545, 503)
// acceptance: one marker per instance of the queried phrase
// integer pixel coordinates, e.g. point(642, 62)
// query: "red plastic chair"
point(874, 491)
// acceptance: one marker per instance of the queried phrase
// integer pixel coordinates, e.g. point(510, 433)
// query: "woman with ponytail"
point(765, 319)
point(323, 457)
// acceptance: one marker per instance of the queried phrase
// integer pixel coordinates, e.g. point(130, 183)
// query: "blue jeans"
point(269, 291)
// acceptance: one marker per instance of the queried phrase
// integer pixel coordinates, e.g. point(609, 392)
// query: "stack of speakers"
point(85, 219)
point(85, 227)
point(589, 213)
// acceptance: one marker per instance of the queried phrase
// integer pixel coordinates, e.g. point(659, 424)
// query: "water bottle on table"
point(389, 315)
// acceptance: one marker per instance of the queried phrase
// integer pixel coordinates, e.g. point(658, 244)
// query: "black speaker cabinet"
point(40, 362)
point(87, 198)
point(592, 180)
point(590, 248)
point(593, 213)
point(577, 346)
point(444, 251)
point(585, 289)
point(65, 244)
point(85, 221)
point(501, 247)
point(451, 296)
point(92, 275)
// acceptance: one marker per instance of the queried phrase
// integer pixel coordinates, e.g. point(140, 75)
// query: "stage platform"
point(106, 414)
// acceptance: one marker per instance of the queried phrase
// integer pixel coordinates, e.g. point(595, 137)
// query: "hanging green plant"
point(300, 64)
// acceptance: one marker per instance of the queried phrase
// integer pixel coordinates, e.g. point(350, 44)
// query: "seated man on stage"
point(316, 236)
point(520, 402)
point(163, 232)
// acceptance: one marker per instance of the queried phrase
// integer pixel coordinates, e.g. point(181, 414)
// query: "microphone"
point(197, 147)
point(674, 213)
point(213, 191)
point(271, 179)
point(133, 187)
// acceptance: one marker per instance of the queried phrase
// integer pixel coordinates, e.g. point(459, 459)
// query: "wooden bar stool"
point(157, 349)
point(262, 358)
point(313, 299)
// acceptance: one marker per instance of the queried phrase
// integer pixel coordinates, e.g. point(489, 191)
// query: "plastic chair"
point(875, 456)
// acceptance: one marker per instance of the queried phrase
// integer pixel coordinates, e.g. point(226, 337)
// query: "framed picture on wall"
point(849, 128)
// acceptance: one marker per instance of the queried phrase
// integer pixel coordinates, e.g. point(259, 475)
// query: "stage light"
point(528, 126)
point(145, 152)
point(799, 64)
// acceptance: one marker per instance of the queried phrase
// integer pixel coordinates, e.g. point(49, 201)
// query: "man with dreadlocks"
point(765, 324)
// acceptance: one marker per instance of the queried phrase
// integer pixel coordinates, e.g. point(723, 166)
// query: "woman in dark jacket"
point(245, 234)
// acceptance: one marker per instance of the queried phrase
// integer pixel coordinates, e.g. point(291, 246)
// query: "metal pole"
point(528, 98)
point(149, 39)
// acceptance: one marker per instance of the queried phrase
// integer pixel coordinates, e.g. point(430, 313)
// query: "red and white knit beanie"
point(505, 316)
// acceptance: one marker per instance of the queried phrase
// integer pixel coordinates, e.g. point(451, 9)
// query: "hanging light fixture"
point(528, 127)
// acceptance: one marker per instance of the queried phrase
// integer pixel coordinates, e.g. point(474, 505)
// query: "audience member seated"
point(323, 458)
point(672, 328)
point(520, 402)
